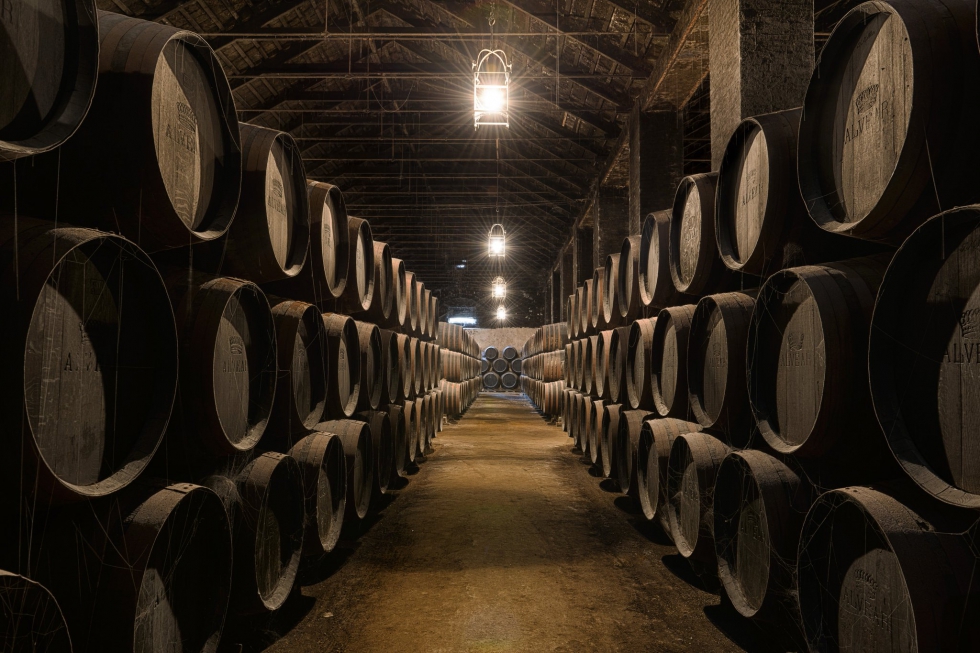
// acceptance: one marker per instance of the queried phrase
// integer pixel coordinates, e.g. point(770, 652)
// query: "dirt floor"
point(503, 541)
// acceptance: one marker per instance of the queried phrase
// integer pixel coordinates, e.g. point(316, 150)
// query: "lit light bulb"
point(492, 99)
point(498, 290)
point(501, 313)
point(496, 246)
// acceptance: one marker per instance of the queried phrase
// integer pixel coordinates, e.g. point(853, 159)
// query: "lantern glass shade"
point(491, 89)
point(501, 313)
point(499, 288)
point(498, 241)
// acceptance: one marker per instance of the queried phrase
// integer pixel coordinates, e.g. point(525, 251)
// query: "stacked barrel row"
point(501, 369)
point(794, 407)
point(544, 372)
point(461, 367)
point(210, 367)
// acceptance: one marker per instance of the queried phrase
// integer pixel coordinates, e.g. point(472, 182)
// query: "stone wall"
point(502, 337)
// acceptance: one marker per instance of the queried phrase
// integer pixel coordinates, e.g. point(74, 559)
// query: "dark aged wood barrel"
point(616, 364)
point(383, 444)
point(330, 242)
point(594, 424)
point(491, 381)
point(430, 328)
point(400, 427)
point(270, 236)
point(574, 364)
point(422, 422)
point(371, 364)
point(589, 370)
point(887, 124)
point(158, 156)
point(47, 75)
point(579, 307)
point(359, 453)
point(90, 361)
point(881, 575)
point(491, 353)
point(399, 310)
point(761, 223)
point(423, 308)
point(391, 378)
point(627, 440)
point(152, 565)
point(716, 364)
point(344, 382)
point(572, 309)
point(500, 366)
point(411, 297)
point(585, 307)
point(383, 297)
point(415, 350)
point(509, 353)
point(608, 433)
point(321, 462)
point(807, 347)
point(30, 617)
point(269, 520)
point(228, 366)
point(412, 422)
point(580, 423)
point(611, 317)
point(359, 291)
point(423, 325)
point(691, 471)
point(656, 285)
point(628, 279)
point(652, 455)
point(923, 355)
point(694, 264)
point(301, 385)
point(597, 319)
point(639, 356)
point(407, 374)
point(759, 506)
point(604, 343)
point(668, 361)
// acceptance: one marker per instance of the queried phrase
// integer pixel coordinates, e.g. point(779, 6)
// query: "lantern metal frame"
point(501, 284)
point(501, 313)
point(481, 115)
point(497, 235)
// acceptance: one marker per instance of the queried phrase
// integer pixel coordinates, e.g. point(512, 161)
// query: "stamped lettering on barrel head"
point(801, 366)
point(753, 195)
point(690, 241)
point(875, 613)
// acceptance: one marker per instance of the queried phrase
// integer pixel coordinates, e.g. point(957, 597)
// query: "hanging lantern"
point(499, 288)
point(491, 89)
point(498, 240)
point(501, 313)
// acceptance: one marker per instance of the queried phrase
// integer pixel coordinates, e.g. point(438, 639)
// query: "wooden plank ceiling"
point(378, 93)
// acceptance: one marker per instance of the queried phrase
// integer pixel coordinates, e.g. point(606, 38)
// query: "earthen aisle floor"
point(503, 541)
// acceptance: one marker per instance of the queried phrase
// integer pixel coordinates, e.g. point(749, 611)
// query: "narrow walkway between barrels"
point(503, 541)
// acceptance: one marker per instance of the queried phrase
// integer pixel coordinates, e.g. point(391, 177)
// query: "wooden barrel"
point(616, 364)
point(270, 236)
point(405, 362)
point(433, 316)
point(330, 242)
point(500, 366)
point(391, 378)
point(509, 353)
point(572, 310)
point(415, 351)
point(491, 381)
point(656, 285)
point(491, 353)
point(399, 310)
point(383, 444)
point(30, 617)
point(411, 296)
point(412, 422)
point(359, 291)
point(580, 417)
point(629, 303)
point(153, 565)
point(422, 423)
point(157, 158)
point(579, 307)
point(228, 366)
point(343, 351)
point(321, 462)
point(594, 424)
point(922, 354)
point(359, 453)
point(421, 310)
point(694, 264)
point(761, 222)
point(668, 364)
point(47, 78)
point(759, 506)
point(609, 310)
point(652, 455)
point(887, 575)
point(508, 381)
point(639, 356)
point(608, 433)
point(371, 364)
point(604, 343)
point(90, 361)
point(691, 471)
point(716, 364)
point(585, 307)
point(383, 298)
point(597, 319)
point(425, 296)
point(886, 131)
point(400, 427)
point(807, 347)
point(627, 440)
point(591, 364)
point(301, 385)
